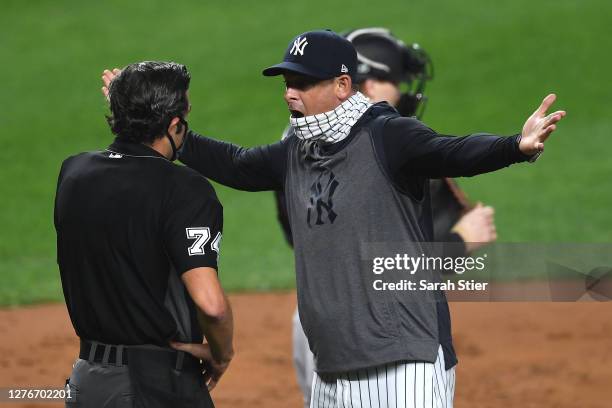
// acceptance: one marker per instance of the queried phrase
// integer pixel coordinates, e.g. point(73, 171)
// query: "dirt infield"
point(511, 354)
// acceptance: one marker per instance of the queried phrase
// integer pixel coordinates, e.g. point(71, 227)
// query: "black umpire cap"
point(320, 54)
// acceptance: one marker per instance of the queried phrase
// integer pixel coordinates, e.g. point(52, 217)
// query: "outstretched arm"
point(250, 169)
point(412, 147)
point(253, 169)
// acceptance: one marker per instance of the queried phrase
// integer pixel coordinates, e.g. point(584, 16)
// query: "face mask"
point(332, 126)
point(172, 144)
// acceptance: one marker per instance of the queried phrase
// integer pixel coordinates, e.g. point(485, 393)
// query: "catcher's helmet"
point(382, 56)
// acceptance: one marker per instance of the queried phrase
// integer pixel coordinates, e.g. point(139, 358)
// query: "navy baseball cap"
point(320, 54)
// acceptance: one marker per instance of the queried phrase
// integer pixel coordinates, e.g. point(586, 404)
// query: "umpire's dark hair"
point(144, 99)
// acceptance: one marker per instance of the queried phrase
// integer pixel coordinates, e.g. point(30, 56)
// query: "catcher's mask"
point(382, 56)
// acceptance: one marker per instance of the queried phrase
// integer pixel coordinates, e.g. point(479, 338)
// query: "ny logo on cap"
point(344, 69)
point(298, 46)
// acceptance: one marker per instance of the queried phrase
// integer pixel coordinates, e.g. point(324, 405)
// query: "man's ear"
point(344, 87)
point(176, 127)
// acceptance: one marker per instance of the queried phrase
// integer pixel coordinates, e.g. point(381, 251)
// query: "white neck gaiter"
point(332, 126)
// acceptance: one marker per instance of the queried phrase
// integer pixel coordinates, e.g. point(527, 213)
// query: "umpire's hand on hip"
point(214, 368)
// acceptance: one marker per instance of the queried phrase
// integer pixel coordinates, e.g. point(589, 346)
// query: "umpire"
point(137, 245)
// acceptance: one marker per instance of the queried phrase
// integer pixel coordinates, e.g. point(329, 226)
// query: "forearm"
point(254, 169)
point(479, 153)
point(213, 310)
point(447, 156)
point(219, 333)
point(411, 146)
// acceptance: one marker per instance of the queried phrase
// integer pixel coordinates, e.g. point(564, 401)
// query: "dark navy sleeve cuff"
point(522, 157)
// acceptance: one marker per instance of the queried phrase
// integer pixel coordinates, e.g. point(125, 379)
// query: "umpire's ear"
point(176, 127)
point(344, 87)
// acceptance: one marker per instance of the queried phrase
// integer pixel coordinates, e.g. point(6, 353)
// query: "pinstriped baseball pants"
point(395, 385)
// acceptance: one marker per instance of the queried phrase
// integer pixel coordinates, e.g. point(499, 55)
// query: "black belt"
point(118, 355)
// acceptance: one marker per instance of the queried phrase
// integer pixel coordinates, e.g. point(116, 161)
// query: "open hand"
point(107, 78)
point(539, 126)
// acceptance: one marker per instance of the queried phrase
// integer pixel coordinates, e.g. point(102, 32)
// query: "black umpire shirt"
point(129, 222)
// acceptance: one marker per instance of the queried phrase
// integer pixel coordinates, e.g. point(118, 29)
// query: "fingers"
point(488, 214)
point(549, 100)
point(211, 377)
point(560, 113)
point(211, 373)
point(186, 347)
point(108, 76)
point(493, 234)
point(543, 136)
point(547, 127)
point(491, 216)
point(481, 210)
point(201, 351)
point(207, 376)
point(211, 384)
point(547, 131)
point(553, 118)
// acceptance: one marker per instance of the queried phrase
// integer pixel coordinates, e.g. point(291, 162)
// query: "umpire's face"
point(306, 96)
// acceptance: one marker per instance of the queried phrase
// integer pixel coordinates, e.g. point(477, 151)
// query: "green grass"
point(494, 62)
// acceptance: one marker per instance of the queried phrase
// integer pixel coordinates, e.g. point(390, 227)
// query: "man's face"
point(377, 91)
point(306, 96)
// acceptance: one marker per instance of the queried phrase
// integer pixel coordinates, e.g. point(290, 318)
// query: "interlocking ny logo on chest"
point(321, 204)
point(298, 46)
